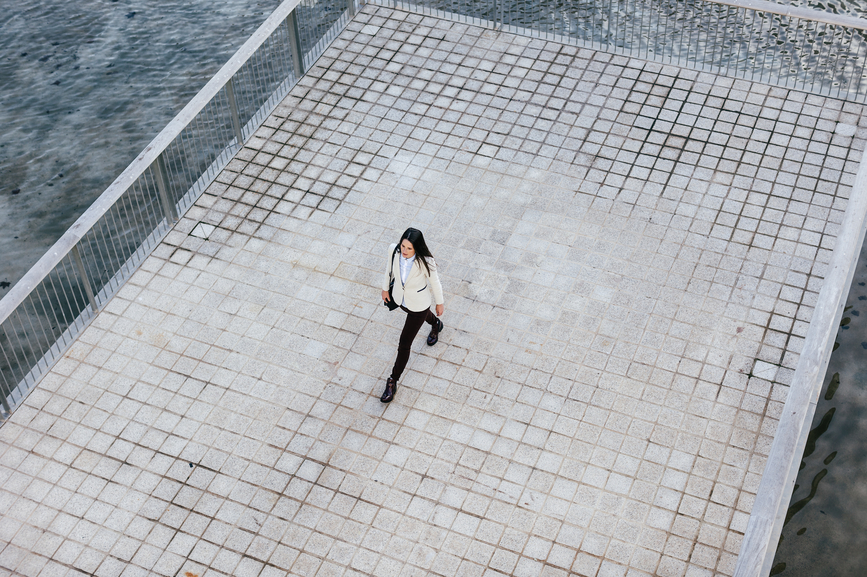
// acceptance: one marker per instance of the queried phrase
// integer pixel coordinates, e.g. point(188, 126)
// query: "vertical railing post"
point(350, 8)
point(233, 107)
point(6, 408)
point(163, 189)
point(85, 280)
point(6, 386)
point(861, 69)
point(295, 45)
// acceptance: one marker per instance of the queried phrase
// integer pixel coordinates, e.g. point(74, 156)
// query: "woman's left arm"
point(436, 288)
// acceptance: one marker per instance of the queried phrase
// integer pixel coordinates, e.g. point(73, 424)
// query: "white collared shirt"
point(405, 267)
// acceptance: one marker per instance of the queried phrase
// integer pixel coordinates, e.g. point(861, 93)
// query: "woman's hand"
point(385, 298)
point(440, 310)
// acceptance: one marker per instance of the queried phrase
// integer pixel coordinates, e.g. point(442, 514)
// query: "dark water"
point(84, 86)
point(826, 528)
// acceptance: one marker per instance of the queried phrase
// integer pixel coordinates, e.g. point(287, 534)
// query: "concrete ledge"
point(775, 491)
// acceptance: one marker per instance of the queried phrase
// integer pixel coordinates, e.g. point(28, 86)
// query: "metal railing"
point(45, 311)
point(41, 316)
point(793, 47)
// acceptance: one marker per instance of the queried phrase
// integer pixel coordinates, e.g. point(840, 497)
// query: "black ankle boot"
point(390, 388)
point(434, 335)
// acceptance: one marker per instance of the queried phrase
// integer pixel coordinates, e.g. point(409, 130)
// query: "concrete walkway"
point(630, 255)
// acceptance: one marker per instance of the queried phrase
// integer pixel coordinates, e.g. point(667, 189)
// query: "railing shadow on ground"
point(793, 47)
point(43, 314)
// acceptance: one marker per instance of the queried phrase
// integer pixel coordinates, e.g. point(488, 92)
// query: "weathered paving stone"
point(630, 253)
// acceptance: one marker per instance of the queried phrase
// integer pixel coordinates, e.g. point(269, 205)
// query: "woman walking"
point(411, 273)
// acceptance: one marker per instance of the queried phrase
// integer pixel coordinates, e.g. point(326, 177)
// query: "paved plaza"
point(630, 255)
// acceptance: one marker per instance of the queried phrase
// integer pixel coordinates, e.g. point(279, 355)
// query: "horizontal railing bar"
point(796, 12)
point(142, 162)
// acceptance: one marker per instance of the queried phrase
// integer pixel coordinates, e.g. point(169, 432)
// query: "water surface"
point(84, 86)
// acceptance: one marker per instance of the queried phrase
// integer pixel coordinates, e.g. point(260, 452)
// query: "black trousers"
point(411, 326)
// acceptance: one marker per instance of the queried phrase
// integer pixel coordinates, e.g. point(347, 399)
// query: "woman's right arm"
point(387, 278)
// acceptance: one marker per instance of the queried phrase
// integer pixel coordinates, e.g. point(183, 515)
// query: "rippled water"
point(84, 86)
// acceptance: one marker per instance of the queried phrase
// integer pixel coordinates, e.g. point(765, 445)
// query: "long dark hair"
point(416, 239)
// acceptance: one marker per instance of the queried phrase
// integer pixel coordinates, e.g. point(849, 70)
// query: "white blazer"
point(415, 294)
